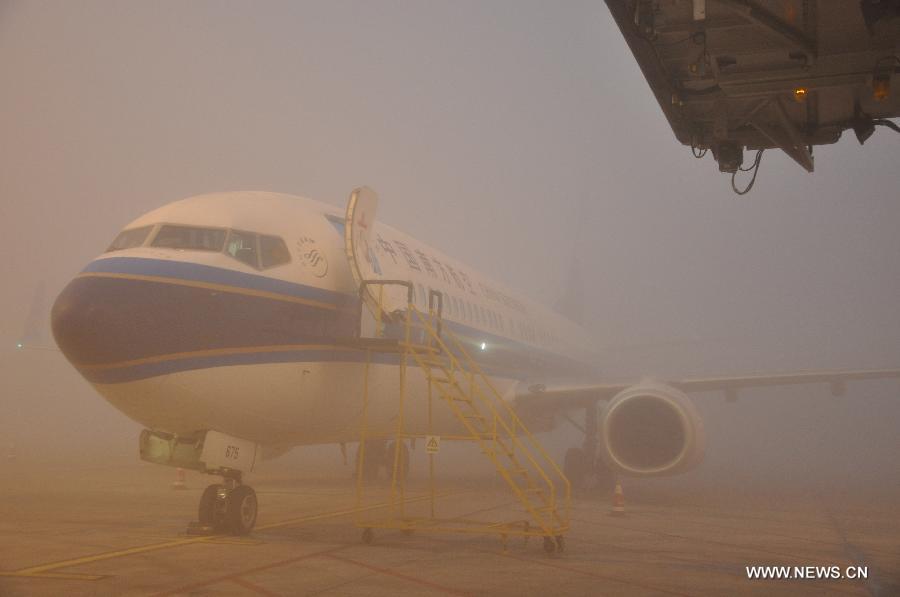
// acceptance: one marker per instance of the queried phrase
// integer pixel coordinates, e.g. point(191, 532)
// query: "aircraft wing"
point(837, 380)
point(562, 395)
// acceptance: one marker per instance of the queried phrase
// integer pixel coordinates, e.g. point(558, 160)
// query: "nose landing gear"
point(227, 507)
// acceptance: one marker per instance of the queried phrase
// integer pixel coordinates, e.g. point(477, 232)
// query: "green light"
point(19, 345)
point(484, 346)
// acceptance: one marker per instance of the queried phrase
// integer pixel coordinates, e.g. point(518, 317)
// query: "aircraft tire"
point(404, 460)
point(373, 461)
point(549, 545)
point(575, 467)
point(206, 513)
point(606, 478)
point(240, 515)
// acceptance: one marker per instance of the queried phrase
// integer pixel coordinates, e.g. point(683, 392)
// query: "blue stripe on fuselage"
point(504, 356)
point(318, 355)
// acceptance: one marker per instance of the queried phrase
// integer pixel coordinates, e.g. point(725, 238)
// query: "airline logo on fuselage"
point(311, 257)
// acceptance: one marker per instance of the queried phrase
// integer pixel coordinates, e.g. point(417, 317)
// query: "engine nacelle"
point(652, 429)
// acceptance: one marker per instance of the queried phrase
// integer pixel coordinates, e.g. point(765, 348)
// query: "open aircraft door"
point(359, 244)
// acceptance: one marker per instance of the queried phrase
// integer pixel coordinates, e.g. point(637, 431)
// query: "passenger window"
point(127, 239)
point(242, 246)
point(273, 251)
point(189, 238)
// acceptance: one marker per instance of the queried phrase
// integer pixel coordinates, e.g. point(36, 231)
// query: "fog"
point(515, 136)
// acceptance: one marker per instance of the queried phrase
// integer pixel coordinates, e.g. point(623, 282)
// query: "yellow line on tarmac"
point(234, 541)
point(339, 513)
point(35, 570)
point(41, 571)
point(57, 575)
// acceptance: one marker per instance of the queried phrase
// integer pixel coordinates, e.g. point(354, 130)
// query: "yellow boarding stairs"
point(456, 380)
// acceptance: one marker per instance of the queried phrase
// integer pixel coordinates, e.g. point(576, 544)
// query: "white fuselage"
point(231, 312)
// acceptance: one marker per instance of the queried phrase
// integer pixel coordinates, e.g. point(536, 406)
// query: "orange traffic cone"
point(178, 483)
point(618, 501)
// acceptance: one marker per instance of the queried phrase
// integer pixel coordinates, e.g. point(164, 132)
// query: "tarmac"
point(121, 530)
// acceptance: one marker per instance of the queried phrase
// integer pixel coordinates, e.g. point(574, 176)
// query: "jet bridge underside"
point(731, 75)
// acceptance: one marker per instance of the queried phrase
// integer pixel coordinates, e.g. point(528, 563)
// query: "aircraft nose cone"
point(88, 322)
point(125, 319)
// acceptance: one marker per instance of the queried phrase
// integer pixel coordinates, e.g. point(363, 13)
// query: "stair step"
point(432, 362)
point(457, 380)
point(419, 347)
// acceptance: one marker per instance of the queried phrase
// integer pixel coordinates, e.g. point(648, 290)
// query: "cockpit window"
point(189, 237)
point(127, 239)
point(247, 247)
point(273, 251)
point(242, 246)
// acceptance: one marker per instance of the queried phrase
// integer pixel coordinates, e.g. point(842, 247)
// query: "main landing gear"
point(227, 507)
point(554, 544)
point(582, 465)
point(379, 455)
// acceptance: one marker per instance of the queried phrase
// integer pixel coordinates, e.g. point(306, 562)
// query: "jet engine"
point(652, 429)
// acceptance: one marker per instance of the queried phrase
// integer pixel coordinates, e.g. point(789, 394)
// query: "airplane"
point(221, 322)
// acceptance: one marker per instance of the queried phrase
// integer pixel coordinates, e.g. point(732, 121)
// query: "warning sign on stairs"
point(432, 443)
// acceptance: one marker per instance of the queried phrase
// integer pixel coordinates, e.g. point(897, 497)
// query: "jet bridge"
point(732, 75)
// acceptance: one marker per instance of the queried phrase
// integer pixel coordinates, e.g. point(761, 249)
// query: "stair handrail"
point(514, 418)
